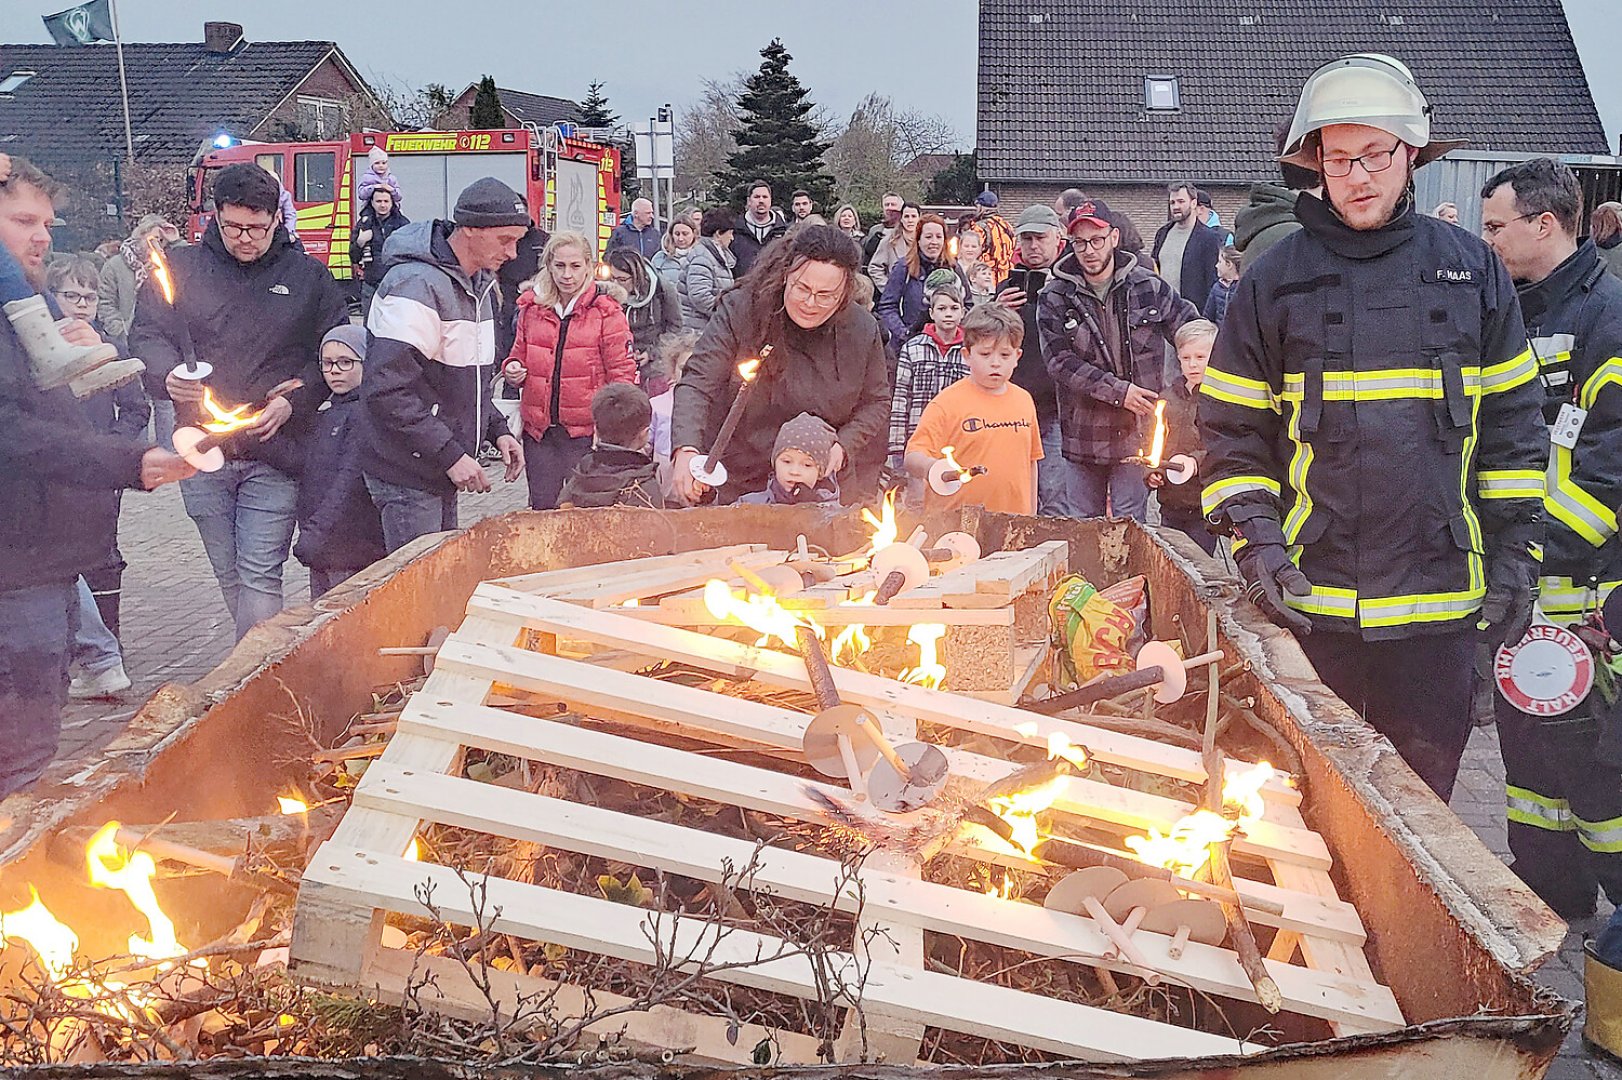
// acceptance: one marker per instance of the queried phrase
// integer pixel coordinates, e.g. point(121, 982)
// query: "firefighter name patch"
point(1448, 275)
point(1550, 672)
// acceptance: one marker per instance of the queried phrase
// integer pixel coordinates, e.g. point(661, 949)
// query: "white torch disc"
point(185, 442)
point(1550, 672)
point(196, 371)
point(939, 484)
point(1179, 469)
point(713, 477)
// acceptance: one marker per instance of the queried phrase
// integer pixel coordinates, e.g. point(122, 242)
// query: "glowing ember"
point(1019, 810)
point(758, 611)
point(160, 269)
point(930, 671)
point(963, 475)
point(292, 805)
point(884, 525)
point(1157, 445)
point(226, 420)
point(632, 602)
point(52, 941)
point(1187, 847)
point(749, 369)
point(112, 867)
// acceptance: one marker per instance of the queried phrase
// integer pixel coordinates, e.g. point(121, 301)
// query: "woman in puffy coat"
point(652, 307)
point(675, 249)
point(902, 307)
point(572, 340)
point(708, 272)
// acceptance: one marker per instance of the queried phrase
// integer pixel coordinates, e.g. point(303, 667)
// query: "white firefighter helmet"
point(1365, 88)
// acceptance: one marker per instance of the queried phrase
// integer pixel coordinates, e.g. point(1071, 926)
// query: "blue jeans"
point(95, 649)
point(245, 514)
point(163, 423)
point(1118, 489)
point(408, 513)
point(36, 637)
point(1053, 476)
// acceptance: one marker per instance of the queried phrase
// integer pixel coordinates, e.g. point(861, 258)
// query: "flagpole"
point(123, 84)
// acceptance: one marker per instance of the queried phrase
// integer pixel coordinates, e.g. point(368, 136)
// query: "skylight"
point(1161, 94)
point(14, 80)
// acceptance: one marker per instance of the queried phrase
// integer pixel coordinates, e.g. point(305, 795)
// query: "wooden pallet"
point(358, 877)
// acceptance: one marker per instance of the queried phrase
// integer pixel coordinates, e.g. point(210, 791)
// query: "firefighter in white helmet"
point(1372, 418)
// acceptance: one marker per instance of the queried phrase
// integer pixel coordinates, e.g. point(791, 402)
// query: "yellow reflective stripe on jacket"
point(1564, 602)
point(1238, 390)
point(1527, 807)
point(1571, 505)
point(1604, 837)
point(1300, 465)
point(1472, 558)
point(1507, 375)
point(1608, 374)
point(1389, 384)
point(1509, 484)
point(1214, 494)
point(1420, 607)
point(1326, 600)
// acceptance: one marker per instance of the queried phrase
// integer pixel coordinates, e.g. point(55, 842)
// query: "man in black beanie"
point(431, 340)
point(254, 307)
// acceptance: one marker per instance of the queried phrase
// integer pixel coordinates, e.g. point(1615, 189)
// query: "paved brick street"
point(176, 629)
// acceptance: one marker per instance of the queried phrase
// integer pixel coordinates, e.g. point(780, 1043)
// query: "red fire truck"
point(569, 183)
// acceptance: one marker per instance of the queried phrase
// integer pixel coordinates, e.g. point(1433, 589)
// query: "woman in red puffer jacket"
point(572, 340)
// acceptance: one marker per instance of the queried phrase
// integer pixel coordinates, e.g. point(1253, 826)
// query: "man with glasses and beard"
point(1371, 417)
point(255, 307)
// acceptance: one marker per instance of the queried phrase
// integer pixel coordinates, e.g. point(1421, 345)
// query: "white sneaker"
point(109, 683)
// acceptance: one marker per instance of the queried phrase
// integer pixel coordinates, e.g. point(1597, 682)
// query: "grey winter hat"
point(490, 204)
point(351, 336)
point(810, 434)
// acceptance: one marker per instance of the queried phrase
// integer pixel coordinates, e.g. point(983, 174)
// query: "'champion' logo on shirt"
point(976, 423)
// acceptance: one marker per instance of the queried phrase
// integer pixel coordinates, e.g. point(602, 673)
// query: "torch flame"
point(749, 369)
point(885, 529)
point(963, 475)
point(1157, 445)
point(930, 671)
point(52, 941)
point(1187, 847)
point(112, 867)
point(160, 269)
point(226, 420)
point(292, 805)
point(759, 611)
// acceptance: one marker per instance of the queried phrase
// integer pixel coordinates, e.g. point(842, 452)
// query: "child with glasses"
point(340, 531)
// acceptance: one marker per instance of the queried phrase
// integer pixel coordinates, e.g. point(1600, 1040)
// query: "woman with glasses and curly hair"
point(827, 359)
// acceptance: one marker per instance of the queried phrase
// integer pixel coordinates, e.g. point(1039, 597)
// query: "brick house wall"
point(1145, 204)
point(328, 81)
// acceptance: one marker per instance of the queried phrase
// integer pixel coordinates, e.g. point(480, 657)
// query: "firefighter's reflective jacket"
point(1574, 324)
point(1376, 389)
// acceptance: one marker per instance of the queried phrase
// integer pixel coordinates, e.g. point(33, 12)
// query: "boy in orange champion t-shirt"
point(985, 419)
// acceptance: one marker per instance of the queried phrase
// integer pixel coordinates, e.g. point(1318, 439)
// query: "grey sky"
point(649, 53)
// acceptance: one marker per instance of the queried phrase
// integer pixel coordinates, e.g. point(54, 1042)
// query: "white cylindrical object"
point(186, 440)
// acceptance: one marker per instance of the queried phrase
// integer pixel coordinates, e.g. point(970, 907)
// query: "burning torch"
point(200, 446)
point(1179, 468)
point(708, 469)
point(190, 367)
point(947, 477)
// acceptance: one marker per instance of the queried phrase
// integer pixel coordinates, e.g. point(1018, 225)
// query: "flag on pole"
point(83, 25)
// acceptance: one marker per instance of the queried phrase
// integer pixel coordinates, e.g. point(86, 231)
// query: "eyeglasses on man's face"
point(1093, 243)
point(245, 232)
point(1374, 161)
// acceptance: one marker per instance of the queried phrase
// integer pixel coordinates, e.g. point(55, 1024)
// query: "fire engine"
point(569, 183)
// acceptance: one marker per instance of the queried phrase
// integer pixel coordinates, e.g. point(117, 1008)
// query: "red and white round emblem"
point(1550, 672)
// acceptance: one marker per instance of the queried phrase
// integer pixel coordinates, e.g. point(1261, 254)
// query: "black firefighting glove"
point(1264, 560)
point(1512, 574)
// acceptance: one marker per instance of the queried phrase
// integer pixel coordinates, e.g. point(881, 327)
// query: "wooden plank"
point(577, 575)
point(734, 955)
point(1014, 578)
point(719, 780)
point(997, 578)
point(590, 830)
point(613, 591)
point(613, 630)
point(585, 687)
point(688, 610)
point(443, 985)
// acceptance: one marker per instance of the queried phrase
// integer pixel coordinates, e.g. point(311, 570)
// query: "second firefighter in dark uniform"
point(1564, 773)
point(1372, 425)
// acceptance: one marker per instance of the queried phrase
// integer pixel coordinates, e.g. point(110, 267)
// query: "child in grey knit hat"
point(800, 459)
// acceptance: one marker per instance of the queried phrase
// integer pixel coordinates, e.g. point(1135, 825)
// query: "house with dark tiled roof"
point(59, 106)
point(1118, 99)
point(521, 109)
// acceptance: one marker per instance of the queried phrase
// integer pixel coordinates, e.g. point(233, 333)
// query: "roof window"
point(14, 80)
point(1161, 93)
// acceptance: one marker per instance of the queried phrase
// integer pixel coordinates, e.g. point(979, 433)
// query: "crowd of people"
point(1358, 394)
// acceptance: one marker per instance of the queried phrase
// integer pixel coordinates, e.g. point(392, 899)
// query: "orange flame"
point(930, 671)
point(111, 866)
point(1157, 444)
point(160, 269)
point(52, 941)
point(414, 852)
point(291, 804)
point(1019, 810)
point(226, 420)
point(885, 529)
point(1060, 747)
point(853, 640)
point(1002, 889)
point(963, 475)
point(749, 369)
point(1187, 847)
point(759, 611)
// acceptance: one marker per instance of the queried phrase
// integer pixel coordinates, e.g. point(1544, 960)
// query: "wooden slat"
point(590, 830)
point(585, 687)
point(577, 575)
point(613, 630)
point(375, 881)
point(719, 780)
point(611, 591)
point(688, 610)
